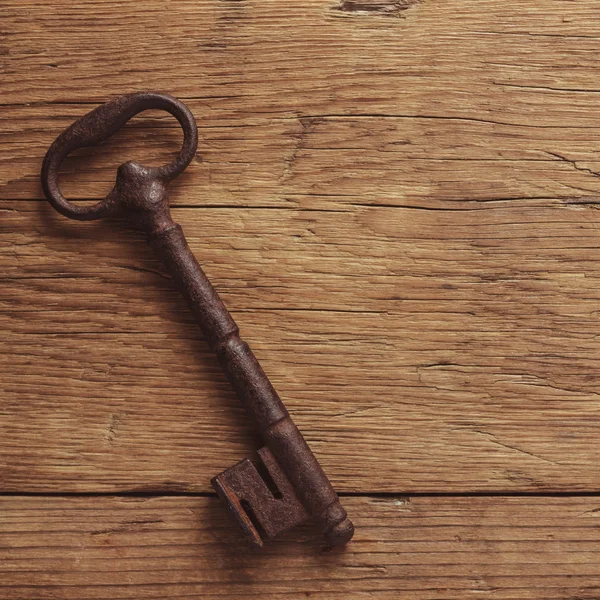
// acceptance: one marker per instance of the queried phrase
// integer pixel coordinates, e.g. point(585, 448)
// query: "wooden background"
point(398, 203)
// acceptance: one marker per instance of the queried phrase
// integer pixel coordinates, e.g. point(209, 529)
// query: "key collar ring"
point(97, 126)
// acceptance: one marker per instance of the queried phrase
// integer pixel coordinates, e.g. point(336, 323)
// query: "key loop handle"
point(97, 126)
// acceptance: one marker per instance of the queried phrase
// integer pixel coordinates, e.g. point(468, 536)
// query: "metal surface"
point(293, 485)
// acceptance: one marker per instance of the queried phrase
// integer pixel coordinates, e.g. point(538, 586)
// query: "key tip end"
point(340, 534)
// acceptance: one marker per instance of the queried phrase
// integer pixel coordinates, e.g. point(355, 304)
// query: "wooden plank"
point(487, 55)
point(456, 356)
point(330, 162)
point(422, 548)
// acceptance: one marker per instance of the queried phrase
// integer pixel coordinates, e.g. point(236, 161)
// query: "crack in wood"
point(127, 527)
point(383, 8)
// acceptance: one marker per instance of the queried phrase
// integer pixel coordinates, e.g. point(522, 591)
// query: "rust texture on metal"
point(292, 486)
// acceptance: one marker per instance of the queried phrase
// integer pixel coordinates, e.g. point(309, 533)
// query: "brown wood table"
point(398, 203)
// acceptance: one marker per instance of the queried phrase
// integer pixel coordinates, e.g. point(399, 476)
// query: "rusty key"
point(287, 486)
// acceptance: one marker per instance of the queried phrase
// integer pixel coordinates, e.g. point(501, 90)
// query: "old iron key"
point(301, 489)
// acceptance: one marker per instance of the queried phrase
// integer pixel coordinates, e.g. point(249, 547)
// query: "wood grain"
point(462, 371)
point(396, 200)
point(422, 548)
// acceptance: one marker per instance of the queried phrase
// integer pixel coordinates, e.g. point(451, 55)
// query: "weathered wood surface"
point(398, 203)
point(397, 206)
point(422, 548)
point(449, 357)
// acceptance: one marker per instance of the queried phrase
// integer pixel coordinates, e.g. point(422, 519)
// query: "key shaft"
point(252, 385)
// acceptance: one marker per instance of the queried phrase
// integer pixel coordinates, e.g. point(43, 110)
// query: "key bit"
point(260, 503)
point(301, 488)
